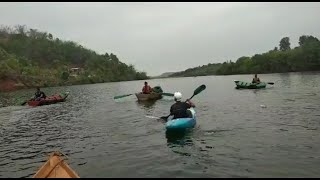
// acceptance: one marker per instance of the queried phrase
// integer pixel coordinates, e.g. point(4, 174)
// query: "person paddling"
point(256, 79)
point(180, 109)
point(39, 95)
point(146, 88)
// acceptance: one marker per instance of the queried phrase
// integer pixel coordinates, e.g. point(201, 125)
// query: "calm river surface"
point(235, 136)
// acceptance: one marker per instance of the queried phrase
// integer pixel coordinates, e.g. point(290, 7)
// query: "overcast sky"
point(163, 37)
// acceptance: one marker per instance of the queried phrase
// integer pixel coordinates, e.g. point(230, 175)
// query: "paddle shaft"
point(122, 96)
point(118, 97)
point(25, 102)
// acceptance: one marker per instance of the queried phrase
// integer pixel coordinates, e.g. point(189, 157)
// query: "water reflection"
point(235, 137)
point(182, 137)
point(308, 79)
point(146, 104)
point(285, 79)
point(178, 140)
point(4, 100)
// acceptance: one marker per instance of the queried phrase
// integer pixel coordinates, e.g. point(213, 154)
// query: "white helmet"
point(177, 96)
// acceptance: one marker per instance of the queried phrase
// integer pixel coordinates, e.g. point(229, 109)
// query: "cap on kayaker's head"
point(177, 96)
point(145, 83)
point(255, 75)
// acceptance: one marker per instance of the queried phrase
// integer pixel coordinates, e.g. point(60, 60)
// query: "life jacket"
point(179, 110)
point(146, 89)
point(256, 80)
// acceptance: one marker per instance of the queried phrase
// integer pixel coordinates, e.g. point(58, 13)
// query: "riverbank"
point(36, 58)
point(9, 85)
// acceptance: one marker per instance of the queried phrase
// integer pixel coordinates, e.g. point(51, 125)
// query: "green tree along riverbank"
point(30, 58)
point(305, 57)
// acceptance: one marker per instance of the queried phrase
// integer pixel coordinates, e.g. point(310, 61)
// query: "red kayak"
point(49, 100)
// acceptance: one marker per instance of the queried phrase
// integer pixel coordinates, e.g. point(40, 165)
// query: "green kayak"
point(247, 85)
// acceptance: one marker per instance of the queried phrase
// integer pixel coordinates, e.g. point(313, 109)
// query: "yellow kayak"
point(55, 167)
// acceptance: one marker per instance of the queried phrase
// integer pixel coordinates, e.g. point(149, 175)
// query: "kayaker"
point(39, 95)
point(180, 109)
point(146, 88)
point(255, 79)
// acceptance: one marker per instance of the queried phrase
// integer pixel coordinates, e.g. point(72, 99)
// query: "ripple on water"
point(234, 137)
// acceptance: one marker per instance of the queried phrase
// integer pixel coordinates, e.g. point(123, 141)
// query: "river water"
point(272, 132)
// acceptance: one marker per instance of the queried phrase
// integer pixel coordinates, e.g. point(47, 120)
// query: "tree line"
point(304, 57)
point(39, 55)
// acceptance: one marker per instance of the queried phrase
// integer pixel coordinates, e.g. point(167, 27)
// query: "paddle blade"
point(168, 94)
point(199, 89)
point(152, 117)
point(271, 83)
point(117, 97)
point(164, 117)
point(23, 103)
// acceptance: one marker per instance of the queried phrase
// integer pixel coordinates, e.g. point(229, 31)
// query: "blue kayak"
point(182, 123)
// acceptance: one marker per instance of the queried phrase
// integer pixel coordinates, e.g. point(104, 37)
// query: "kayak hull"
point(49, 100)
point(55, 167)
point(247, 85)
point(182, 123)
point(148, 97)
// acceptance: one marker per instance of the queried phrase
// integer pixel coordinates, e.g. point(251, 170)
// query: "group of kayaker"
point(178, 110)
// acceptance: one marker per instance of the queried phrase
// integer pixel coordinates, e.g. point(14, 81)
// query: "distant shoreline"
point(282, 59)
point(9, 85)
point(315, 71)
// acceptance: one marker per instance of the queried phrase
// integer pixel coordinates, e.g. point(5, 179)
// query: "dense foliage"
point(305, 57)
point(37, 58)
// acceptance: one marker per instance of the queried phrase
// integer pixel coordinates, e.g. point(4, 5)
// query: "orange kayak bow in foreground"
point(56, 167)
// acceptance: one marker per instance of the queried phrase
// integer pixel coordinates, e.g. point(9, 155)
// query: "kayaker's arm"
point(191, 103)
point(171, 111)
